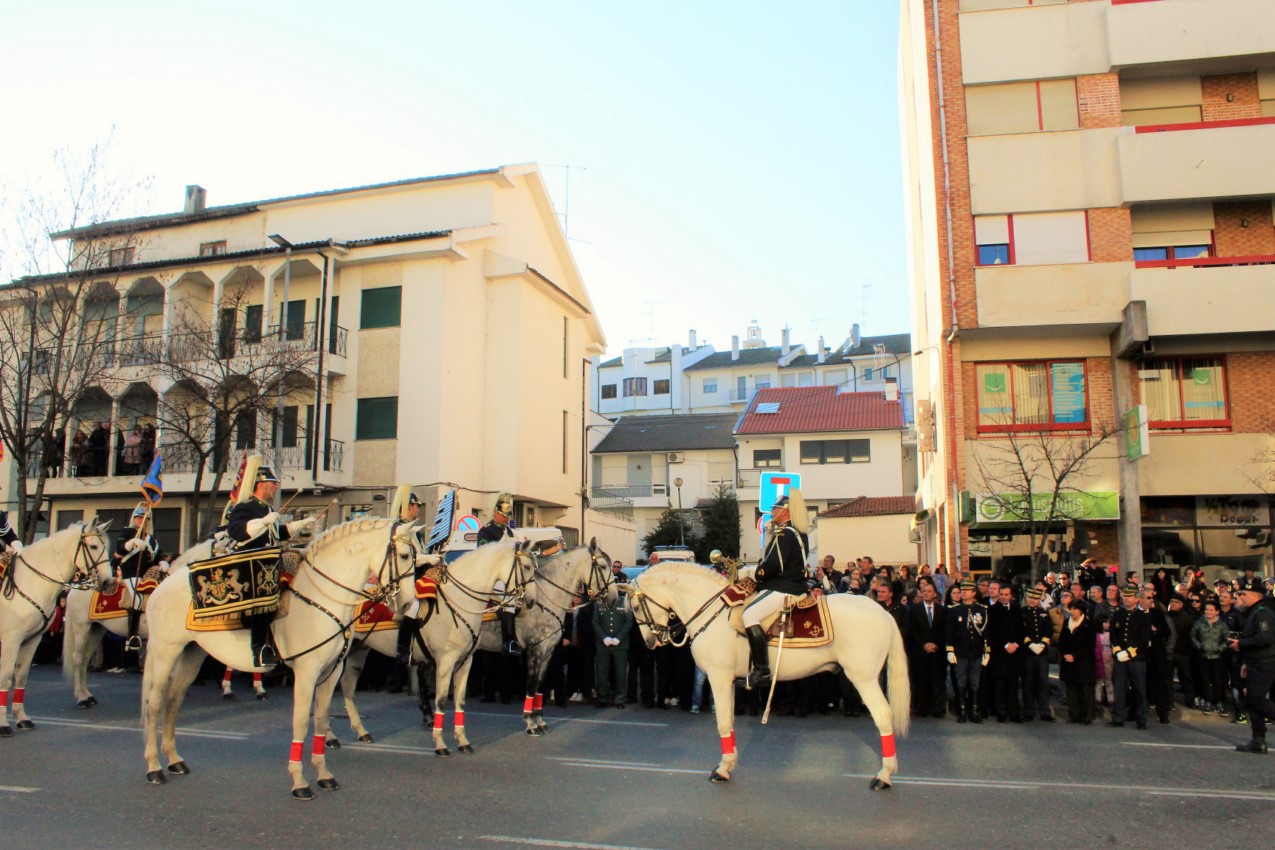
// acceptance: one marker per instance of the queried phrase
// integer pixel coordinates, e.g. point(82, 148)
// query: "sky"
point(730, 162)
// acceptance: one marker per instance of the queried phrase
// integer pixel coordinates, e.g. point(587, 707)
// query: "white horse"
point(584, 572)
point(28, 598)
point(312, 636)
point(82, 633)
point(865, 638)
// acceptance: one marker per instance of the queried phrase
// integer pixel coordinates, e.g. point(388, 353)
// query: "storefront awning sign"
point(1012, 507)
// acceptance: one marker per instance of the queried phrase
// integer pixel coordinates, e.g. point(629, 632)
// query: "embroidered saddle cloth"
point(245, 582)
point(373, 617)
point(104, 606)
point(809, 623)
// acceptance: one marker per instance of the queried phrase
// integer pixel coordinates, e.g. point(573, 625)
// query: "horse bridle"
point(599, 568)
point(672, 632)
point(11, 577)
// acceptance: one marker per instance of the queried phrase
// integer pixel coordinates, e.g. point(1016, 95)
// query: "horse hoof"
point(332, 744)
point(467, 749)
point(717, 777)
point(262, 695)
point(302, 793)
point(92, 701)
point(6, 731)
point(532, 730)
point(227, 695)
point(878, 785)
point(329, 784)
point(367, 738)
point(155, 777)
point(26, 725)
point(87, 703)
point(544, 728)
point(179, 768)
point(443, 753)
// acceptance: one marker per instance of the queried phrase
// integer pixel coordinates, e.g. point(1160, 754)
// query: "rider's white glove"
point(133, 544)
point(987, 657)
point(1037, 648)
point(951, 658)
point(432, 560)
point(257, 526)
point(299, 525)
point(165, 566)
point(1122, 655)
point(15, 546)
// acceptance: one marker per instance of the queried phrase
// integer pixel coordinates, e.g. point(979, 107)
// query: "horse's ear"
point(593, 545)
point(102, 526)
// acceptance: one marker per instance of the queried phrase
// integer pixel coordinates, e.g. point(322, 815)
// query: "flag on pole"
point(153, 484)
point(234, 491)
point(442, 523)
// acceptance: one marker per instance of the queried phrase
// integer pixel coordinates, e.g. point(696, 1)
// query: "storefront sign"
point(1233, 511)
point(1137, 433)
point(1012, 507)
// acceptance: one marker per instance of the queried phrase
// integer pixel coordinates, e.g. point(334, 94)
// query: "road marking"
point(17, 789)
point(1029, 785)
point(571, 719)
point(1177, 746)
point(602, 761)
point(547, 842)
point(387, 748)
point(653, 769)
point(181, 730)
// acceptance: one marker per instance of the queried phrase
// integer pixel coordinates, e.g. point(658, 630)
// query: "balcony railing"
point(635, 491)
point(1208, 262)
point(179, 459)
point(608, 500)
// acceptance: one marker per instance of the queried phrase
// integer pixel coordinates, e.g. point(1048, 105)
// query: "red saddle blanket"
point(112, 606)
point(373, 617)
point(809, 625)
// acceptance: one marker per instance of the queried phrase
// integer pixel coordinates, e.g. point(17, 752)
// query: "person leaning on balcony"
point(79, 448)
point(133, 451)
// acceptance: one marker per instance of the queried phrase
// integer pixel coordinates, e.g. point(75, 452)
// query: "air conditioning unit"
point(675, 457)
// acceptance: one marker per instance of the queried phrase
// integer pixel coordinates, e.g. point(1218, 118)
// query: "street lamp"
point(283, 324)
point(681, 527)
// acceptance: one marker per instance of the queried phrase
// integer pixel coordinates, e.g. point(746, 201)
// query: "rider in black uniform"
point(781, 574)
point(409, 510)
point(493, 532)
point(136, 552)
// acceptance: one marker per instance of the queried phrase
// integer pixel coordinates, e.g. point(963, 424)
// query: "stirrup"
point(265, 656)
point(513, 648)
point(758, 678)
point(133, 644)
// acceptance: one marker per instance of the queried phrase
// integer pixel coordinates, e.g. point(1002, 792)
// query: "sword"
point(779, 653)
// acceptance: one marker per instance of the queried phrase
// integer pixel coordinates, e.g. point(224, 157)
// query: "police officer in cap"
point(253, 524)
point(780, 577)
point(1256, 643)
point(136, 552)
point(494, 531)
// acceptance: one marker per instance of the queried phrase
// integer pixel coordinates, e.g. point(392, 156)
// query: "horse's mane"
point(342, 531)
point(672, 568)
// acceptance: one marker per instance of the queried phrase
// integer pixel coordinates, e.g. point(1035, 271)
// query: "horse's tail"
point(898, 686)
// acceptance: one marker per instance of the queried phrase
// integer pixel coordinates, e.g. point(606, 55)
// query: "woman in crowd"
point(1208, 636)
point(1076, 644)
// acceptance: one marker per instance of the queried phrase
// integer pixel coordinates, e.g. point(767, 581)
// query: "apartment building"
point(1089, 199)
point(443, 326)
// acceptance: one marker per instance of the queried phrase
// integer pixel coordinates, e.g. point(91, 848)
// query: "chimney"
point(786, 343)
point(855, 339)
point(693, 342)
point(734, 347)
point(891, 389)
point(196, 199)
point(821, 349)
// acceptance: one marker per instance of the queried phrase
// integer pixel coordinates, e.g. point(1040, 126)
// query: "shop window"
point(1185, 392)
point(1036, 396)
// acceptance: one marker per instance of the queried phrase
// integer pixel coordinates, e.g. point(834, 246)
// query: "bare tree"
point(1035, 479)
point(59, 319)
point(219, 383)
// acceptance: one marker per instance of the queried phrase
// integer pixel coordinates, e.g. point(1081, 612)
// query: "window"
point(252, 323)
point(1185, 392)
point(212, 249)
point(836, 451)
point(246, 429)
point(634, 386)
point(1171, 252)
point(382, 308)
point(288, 436)
point(377, 419)
point(762, 382)
point(1166, 100)
point(1032, 239)
point(1022, 107)
point(710, 386)
point(867, 373)
point(1032, 396)
point(608, 390)
point(767, 459)
point(121, 256)
point(661, 386)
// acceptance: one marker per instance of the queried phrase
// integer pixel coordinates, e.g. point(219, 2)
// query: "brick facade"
point(1098, 98)
point(1241, 88)
point(1110, 235)
point(1233, 238)
point(1099, 384)
point(1250, 379)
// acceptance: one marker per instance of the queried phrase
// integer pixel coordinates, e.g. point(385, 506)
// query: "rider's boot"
point(263, 652)
point(759, 676)
point(134, 643)
point(508, 635)
point(406, 629)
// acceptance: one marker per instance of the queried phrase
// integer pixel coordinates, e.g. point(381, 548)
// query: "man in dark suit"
point(1004, 639)
point(926, 637)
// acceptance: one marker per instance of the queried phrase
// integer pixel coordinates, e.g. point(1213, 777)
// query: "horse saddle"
point(808, 623)
point(373, 617)
point(104, 606)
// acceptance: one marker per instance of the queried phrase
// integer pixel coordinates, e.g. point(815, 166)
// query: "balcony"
point(1211, 295)
point(1074, 294)
point(1222, 159)
point(1167, 34)
point(607, 500)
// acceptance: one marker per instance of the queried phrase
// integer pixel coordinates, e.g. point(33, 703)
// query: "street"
point(619, 779)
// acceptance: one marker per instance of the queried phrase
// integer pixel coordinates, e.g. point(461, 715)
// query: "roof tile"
point(803, 409)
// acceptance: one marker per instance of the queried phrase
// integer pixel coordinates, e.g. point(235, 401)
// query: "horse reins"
point(11, 577)
point(663, 632)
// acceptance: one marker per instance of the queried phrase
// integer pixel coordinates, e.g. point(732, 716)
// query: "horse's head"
point(403, 556)
point(601, 580)
point(92, 556)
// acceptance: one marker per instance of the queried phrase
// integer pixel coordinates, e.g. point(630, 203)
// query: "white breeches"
point(499, 587)
point(768, 602)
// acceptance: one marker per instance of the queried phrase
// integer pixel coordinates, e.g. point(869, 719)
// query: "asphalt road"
point(621, 779)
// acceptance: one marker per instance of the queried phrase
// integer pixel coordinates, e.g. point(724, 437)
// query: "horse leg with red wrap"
point(723, 683)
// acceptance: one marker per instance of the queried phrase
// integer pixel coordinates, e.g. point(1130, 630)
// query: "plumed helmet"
point(403, 499)
point(795, 502)
point(265, 473)
point(249, 481)
point(140, 510)
point(505, 504)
